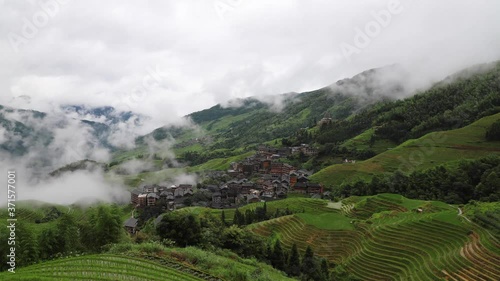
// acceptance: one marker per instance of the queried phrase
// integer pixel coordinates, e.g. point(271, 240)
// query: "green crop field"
point(220, 163)
point(385, 237)
point(102, 267)
point(362, 141)
point(295, 205)
point(428, 151)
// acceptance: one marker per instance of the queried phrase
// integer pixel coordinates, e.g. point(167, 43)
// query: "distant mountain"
point(46, 141)
point(365, 115)
point(17, 132)
point(251, 121)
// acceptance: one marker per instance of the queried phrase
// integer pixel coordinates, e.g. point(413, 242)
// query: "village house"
point(151, 195)
point(253, 198)
point(134, 196)
point(130, 225)
point(152, 198)
point(300, 187)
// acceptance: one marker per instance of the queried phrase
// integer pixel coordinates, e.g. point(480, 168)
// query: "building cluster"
point(171, 197)
point(270, 179)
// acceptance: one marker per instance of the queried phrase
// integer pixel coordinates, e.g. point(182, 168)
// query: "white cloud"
point(99, 53)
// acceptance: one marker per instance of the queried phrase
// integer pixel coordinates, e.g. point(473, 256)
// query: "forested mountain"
point(437, 147)
point(253, 121)
point(22, 130)
point(365, 110)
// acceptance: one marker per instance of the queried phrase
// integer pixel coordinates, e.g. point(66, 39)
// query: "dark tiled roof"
point(131, 222)
point(153, 195)
point(300, 185)
point(136, 191)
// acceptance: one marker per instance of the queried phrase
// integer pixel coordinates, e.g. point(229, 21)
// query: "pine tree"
point(264, 211)
point(249, 217)
point(269, 252)
point(223, 218)
point(278, 257)
point(309, 267)
point(324, 270)
point(294, 262)
point(239, 218)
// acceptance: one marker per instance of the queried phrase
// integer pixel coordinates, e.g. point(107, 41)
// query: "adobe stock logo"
point(224, 7)
point(363, 37)
point(31, 26)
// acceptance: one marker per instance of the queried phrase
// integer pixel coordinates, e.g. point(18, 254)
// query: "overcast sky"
point(169, 58)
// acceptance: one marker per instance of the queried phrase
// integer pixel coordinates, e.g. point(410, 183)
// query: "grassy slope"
point(99, 267)
point(362, 142)
point(220, 163)
point(428, 151)
point(150, 262)
point(296, 205)
point(27, 212)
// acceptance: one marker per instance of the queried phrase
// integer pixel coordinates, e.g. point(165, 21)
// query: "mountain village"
point(259, 178)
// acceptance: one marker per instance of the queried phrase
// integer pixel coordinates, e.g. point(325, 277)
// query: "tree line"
point(210, 232)
point(471, 180)
point(68, 236)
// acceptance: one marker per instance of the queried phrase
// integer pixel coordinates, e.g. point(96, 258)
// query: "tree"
point(108, 225)
point(278, 257)
point(242, 242)
point(293, 268)
point(26, 245)
point(184, 229)
point(261, 213)
point(325, 274)
point(239, 218)
point(68, 234)
point(223, 218)
point(49, 246)
point(309, 268)
point(188, 201)
point(493, 133)
point(249, 214)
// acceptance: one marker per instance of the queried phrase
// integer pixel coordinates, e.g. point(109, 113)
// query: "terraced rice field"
point(332, 245)
point(106, 267)
point(296, 205)
point(388, 242)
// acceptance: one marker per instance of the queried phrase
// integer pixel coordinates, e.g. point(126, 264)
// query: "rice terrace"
point(233, 140)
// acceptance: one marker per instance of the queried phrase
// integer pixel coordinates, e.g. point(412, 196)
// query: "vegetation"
point(414, 157)
point(72, 232)
point(391, 237)
point(426, 152)
point(471, 180)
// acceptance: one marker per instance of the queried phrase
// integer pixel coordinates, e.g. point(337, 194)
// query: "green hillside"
point(362, 125)
point(101, 267)
point(159, 264)
point(295, 205)
point(385, 237)
point(428, 151)
point(249, 122)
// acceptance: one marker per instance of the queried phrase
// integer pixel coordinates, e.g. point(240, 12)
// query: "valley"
point(329, 185)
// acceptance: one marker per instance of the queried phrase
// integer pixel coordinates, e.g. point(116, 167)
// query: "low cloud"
point(106, 55)
point(69, 188)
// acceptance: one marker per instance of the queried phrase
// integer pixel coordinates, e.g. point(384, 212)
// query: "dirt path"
point(335, 205)
point(460, 213)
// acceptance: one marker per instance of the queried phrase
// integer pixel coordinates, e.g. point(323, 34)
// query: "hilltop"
point(423, 153)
